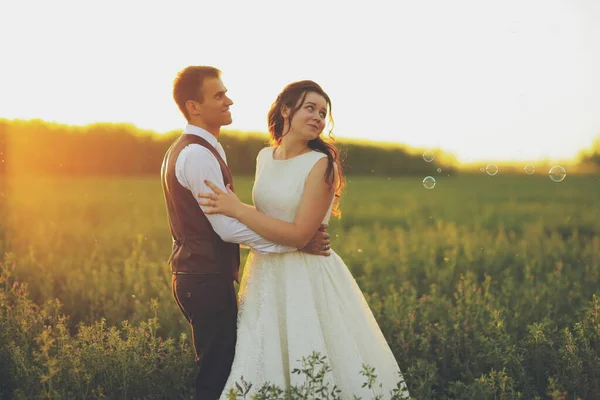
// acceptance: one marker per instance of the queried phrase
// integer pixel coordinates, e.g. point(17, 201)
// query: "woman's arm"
point(314, 204)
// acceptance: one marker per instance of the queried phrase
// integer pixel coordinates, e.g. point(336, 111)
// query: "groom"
point(205, 258)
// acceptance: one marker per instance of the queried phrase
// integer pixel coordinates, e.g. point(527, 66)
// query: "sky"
point(482, 79)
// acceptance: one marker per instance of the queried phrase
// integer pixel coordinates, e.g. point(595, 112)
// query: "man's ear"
point(191, 108)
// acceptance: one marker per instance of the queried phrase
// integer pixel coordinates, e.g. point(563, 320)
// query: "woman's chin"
point(314, 136)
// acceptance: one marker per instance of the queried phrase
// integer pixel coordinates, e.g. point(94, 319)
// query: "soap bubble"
point(428, 156)
point(557, 173)
point(529, 169)
point(429, 182)
point(491, 169)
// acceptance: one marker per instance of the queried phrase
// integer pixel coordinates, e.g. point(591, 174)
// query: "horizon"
point(510, 80)
point(448, 157)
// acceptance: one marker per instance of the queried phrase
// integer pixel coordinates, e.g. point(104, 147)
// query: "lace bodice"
point(279, 184)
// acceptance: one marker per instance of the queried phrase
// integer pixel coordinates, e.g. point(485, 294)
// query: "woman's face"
point(309, 121)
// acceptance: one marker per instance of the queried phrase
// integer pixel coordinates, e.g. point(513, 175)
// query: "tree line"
point(106, 149)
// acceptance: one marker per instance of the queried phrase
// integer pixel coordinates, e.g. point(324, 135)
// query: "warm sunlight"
point(444, 246)
point(507, 80)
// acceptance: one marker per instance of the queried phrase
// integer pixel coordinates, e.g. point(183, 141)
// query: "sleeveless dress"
point(294, 304)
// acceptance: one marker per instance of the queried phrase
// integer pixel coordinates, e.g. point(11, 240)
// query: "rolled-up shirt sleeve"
point(196, 164)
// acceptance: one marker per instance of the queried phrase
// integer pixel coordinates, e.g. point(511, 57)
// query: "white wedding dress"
point(294, 304)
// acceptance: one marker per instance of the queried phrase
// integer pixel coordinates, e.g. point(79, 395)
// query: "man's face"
point(214, 110)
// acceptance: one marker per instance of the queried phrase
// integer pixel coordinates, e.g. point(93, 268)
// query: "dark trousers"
point(209, 303)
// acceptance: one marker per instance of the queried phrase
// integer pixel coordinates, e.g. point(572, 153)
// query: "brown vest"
point(197, 248)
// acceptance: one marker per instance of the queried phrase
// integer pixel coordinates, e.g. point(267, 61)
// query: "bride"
point(294, 304)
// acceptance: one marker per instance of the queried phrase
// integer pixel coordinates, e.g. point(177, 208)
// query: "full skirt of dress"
point(294, 304)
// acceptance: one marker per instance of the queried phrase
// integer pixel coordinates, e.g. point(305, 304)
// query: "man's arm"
point(195, 164)
point(316, 198)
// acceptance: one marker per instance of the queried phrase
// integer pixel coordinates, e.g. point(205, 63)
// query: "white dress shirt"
point(195, 164)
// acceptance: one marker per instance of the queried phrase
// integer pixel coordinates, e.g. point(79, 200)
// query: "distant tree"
point(39, 147)
point(591, 155)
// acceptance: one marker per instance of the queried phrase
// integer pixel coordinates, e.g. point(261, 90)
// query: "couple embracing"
point(296, 295)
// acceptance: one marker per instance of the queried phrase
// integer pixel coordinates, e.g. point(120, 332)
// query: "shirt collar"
point(196, 130)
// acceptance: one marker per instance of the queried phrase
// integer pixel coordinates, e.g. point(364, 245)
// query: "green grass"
point(484, 286)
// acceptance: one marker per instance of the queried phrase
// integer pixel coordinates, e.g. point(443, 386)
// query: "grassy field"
point(484, 286)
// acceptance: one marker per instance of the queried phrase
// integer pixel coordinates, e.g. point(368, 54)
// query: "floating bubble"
point(429, 182)
point(557, 173)
point(439, 170)
point(529, 169)
point(481, 169)
point(491, 169)
point(428, 156)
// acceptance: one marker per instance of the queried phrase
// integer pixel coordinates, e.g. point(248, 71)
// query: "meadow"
point(484, 286)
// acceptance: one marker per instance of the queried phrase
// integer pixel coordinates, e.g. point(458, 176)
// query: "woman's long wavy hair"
point(292, 97)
